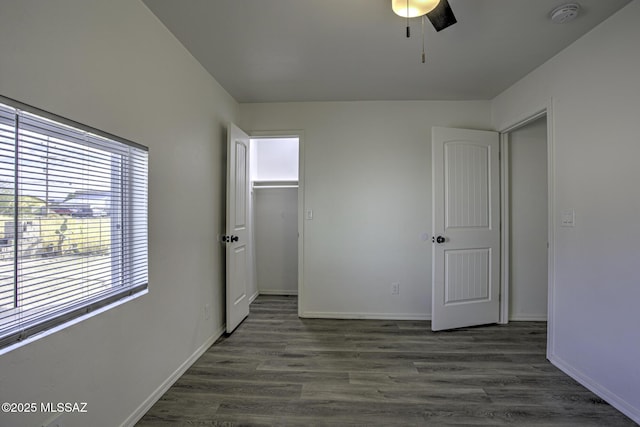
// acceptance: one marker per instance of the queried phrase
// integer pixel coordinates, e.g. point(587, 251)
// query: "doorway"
point(526, 204)
point(526, 234)
point(275, 194)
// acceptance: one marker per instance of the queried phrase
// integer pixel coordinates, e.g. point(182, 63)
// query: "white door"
point(466, 228)
point(237, 235)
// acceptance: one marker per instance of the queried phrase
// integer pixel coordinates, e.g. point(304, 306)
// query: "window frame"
point(131, 221)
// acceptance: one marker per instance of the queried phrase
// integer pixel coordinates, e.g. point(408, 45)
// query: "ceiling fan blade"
point(442, 16)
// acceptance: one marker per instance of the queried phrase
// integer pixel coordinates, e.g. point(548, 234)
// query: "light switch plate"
point(568, 218)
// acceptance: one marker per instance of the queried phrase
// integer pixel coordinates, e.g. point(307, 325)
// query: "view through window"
point(73, 221)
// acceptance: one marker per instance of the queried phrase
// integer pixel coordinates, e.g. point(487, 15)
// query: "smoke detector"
point(565, 13)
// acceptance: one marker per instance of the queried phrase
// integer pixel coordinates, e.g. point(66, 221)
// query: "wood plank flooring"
point(277, 369)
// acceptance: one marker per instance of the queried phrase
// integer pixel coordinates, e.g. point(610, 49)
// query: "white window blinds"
point(73, 220)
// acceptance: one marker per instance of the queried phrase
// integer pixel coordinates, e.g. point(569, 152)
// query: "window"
point(73, 220)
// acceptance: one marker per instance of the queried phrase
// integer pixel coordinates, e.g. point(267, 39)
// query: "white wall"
point(112, 65)
point(595, 128)
point(368, 182)
point(276, 237)
point(528, 222)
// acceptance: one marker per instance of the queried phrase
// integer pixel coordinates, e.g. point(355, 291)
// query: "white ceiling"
point(345, 50)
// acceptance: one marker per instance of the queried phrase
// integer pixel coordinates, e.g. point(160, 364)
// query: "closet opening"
point(275, 192)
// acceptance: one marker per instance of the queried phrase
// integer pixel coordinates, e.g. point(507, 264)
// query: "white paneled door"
point(237, 235)
point(466, 228)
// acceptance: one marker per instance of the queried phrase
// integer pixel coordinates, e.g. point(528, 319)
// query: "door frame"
point(525, 119)
point(300, 135)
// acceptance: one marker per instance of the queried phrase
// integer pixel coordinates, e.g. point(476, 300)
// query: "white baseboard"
point(365, 316)
point(610, 397)
point(528, 318)
point(157, 393)
point(253, 297)
point(278, 292)
point(402, 316)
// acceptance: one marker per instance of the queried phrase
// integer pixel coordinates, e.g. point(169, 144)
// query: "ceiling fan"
point(439, 12)
point(442, 16)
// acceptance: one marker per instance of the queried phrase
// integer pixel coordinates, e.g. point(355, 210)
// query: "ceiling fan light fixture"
point(413, 8)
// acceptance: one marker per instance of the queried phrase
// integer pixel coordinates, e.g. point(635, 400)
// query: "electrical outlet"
point(395, 288)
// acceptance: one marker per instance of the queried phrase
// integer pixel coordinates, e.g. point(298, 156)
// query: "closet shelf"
point(274, 184)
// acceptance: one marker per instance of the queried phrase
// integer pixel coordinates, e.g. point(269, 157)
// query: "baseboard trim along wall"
point(606, 394)
point(253, 297)
point(282, 292)
point(365, 316)
point(528, 318)
point(166, 384)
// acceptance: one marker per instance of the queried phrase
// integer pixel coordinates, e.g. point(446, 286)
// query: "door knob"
point(439, 239)
point(234, 238)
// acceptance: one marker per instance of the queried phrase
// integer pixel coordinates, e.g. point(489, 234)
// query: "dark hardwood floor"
point(277, 369)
